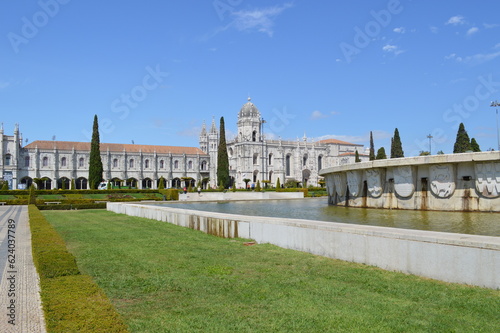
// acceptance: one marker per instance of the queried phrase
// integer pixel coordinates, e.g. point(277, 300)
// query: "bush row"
point(49, 250)
point(72, 302)
point(304, 190)
point(101, 205)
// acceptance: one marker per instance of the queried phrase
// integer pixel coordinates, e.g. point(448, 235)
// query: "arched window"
point(162, 164)
point(255, 158)
point(146, 164)
point(7, 159)
point(63, 161)
point(304, 160)
point(176, 164)
point(131, 163)
point(254, 136)
point(27, 161)
point(270, 159)
point(115, 163)
point(45, 161)
point(190, 165)
point(320, 162)
point(204, 165)
point(287, 165)
point(80, 162)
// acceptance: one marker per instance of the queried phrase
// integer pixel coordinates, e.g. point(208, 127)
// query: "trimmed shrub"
point(49, 250)
point(77, 304)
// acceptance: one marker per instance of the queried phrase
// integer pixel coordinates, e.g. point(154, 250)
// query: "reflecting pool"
point(317, 209)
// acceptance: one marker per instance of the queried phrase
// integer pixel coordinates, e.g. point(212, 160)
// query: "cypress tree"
point(95, 164)
point(222, 158)
point(257, 187)
point(161, 185)
point(356, 157)
point(32, 195)
point(381, 154)
point(474, 145)
point(278, 185)
point(372, 147)
point(462, 143)
point(72, 186)
point(396, 146)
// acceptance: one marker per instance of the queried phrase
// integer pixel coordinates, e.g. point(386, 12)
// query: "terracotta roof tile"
point(115, 147)
point(339, 142)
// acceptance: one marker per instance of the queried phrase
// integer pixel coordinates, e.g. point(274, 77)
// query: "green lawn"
point(164, 278)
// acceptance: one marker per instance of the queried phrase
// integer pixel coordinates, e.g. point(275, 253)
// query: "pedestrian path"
point(20, 304)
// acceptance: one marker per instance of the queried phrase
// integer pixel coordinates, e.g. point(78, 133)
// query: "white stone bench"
point(53, 202)
point(2, 203)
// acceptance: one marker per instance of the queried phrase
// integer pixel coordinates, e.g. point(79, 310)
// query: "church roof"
point(338, 142)
point(249, 110)
point(115, 147)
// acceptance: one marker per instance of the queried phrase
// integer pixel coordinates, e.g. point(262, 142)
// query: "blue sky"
point(154, 70)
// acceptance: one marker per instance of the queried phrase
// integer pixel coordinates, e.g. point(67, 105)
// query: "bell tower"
point(249, 123)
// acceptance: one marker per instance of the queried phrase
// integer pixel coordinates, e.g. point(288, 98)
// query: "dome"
point(249, 110)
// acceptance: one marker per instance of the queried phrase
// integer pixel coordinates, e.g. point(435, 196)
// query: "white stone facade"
point(252, 156)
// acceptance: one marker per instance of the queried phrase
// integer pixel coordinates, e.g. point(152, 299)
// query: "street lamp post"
point(430, 145)
point(496, 104)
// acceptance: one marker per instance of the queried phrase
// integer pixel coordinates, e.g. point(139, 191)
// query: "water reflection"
point(317, 209)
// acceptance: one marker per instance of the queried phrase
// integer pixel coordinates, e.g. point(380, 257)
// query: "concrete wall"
point(456, 182)
point(230, 196)
point(460, 258)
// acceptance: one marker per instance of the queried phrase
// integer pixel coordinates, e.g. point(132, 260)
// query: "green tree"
point(396, 146)
point(222, 158)
point(462, 143)
point(440, 152)
point(32, 195)
point(278, 185)
point(246, 180)
point(257, 187)
point(474, 145)
point(95, 163)
point(72, 186)
point(424, 153)
point(63, 184)
point(161, 185)
point(381, 154)
point(356, 157)
point(372, 147)
point(5, 186)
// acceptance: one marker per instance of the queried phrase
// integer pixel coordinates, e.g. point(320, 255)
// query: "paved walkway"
point(19, 284)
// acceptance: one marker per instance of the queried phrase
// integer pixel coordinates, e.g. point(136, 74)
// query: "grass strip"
point(165, 278)
point(72, 302)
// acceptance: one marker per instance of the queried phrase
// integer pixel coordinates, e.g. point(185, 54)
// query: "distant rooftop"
point(115, 147)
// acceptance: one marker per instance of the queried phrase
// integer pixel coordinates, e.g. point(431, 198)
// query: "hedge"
point(100, 205)
point(49, 250)
point(71, 301)
point(76, 304)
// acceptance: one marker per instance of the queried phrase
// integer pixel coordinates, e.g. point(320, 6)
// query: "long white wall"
point(467, 259)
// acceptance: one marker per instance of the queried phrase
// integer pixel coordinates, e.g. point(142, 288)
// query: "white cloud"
point(318, 115)
point(377, 135)
point(475, 59)
point(472, 31)
point(490, 26)
point(434, 30)
point(456, 20)
point(392, 49)
point(261, 20)
point(400, 30)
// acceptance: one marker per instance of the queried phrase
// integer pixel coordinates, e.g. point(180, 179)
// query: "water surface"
point(473, 223)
